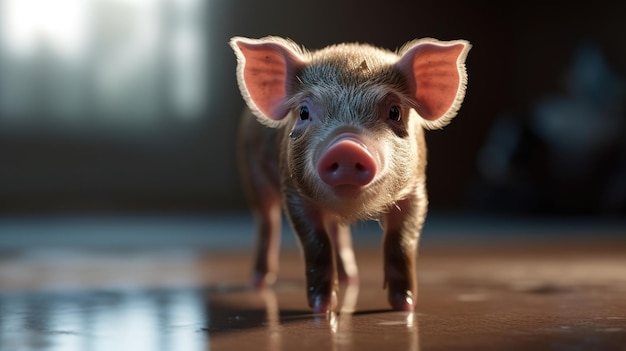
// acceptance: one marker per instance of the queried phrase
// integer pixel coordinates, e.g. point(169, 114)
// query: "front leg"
point(402, 226)
point(344, 253)
point(321, 277)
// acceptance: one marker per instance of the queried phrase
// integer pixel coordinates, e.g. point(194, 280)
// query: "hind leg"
point(268, 227)
point(258, 168)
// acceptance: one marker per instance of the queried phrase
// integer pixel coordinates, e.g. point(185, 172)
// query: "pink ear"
point(266, 67)
point(435, 72)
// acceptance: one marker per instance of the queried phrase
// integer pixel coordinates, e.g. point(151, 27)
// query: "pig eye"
point(304, 113)
point(394, 113)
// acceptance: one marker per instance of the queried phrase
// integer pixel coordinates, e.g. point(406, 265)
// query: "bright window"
point(101, 61)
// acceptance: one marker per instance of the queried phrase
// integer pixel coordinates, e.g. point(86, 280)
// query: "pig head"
point(346, 144)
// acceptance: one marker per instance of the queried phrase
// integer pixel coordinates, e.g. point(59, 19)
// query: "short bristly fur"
point(347, 92)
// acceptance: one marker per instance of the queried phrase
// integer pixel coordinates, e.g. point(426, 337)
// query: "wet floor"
point(542, 293)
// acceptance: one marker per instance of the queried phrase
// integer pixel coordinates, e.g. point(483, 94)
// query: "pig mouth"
point(348, 191)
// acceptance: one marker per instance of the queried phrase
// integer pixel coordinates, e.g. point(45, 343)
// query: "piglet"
point(346, 143)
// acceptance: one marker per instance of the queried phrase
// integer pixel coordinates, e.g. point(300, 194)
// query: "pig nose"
point(346, 162)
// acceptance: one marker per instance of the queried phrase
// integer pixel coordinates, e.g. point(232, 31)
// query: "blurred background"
point(117, 132)
point(131, 106)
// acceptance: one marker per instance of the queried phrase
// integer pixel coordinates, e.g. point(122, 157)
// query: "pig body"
point(346, 144)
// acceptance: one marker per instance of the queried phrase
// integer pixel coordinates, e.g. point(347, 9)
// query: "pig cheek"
point(405, 164)
point(299, 165)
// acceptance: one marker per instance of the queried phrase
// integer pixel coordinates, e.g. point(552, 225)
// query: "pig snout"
point(346, 163)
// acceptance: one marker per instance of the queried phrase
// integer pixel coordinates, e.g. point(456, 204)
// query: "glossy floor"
point(548, 294)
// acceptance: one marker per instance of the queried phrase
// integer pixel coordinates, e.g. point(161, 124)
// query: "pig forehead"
point(354, 54)
point(333, 82)
point(331, 85)
point(349, 64)
point(348, 72)
point(329, 92)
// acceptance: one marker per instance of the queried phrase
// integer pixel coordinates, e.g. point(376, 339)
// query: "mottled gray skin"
point(348, 89)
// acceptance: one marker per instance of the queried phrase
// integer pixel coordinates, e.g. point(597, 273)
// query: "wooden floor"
point(516, 286)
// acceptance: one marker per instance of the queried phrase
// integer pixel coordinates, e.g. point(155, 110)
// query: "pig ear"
point(265, 69)
point(435, 72)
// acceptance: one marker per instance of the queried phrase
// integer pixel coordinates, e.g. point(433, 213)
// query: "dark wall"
point(522, 53)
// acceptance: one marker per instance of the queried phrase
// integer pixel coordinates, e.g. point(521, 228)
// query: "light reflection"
point(341, 326)
point(333, 321)
point(411, 323)
point(243, 317)
point(272, 316)
point(67, 326)
point(115, 320)
point(410, 319)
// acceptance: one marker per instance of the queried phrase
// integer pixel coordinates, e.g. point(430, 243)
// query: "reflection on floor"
point(474, 294)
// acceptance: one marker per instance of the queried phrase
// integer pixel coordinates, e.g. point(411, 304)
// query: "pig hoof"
point(402, 301)
point(263, 280)
point(321, 303)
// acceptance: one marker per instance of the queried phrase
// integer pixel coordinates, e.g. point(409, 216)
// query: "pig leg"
point(402, 228)
point(344, 254)
point(317, 247)
point(268, 221)
point(261, 188)
point(265, 204)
